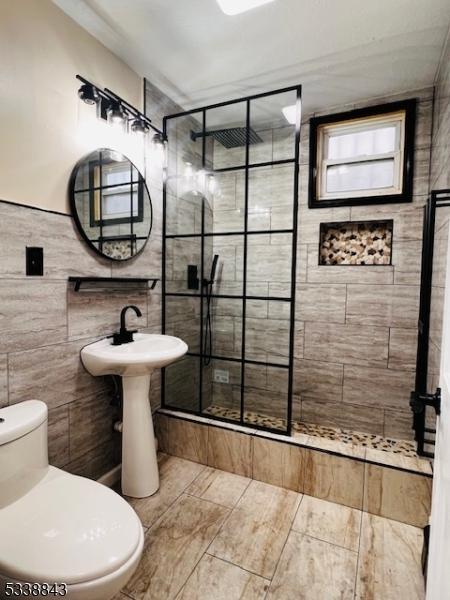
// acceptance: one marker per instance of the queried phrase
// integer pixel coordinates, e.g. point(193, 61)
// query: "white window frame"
point(326, 130)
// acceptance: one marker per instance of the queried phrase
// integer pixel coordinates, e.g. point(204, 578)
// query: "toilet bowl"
point(58, 528)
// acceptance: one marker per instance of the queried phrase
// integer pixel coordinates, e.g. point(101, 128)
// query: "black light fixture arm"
point(111, 97)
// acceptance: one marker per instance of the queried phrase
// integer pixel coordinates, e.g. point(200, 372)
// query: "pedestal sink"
point(134, 362)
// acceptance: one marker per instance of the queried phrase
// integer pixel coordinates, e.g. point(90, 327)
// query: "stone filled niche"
point(356, 243)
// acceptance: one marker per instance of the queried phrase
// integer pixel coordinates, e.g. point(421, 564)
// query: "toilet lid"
point(67, 529)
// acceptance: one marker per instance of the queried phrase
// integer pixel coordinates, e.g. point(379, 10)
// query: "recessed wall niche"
point(356, 243)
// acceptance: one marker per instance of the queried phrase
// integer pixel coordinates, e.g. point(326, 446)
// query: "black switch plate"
point(35, 261)
point(193, 281)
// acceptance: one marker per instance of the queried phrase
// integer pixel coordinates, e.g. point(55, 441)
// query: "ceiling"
point(341, 51)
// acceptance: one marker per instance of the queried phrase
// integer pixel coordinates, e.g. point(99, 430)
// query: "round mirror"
point(111, 204)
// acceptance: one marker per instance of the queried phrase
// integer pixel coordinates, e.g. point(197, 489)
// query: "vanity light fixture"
point(235, 7)
point(89, 94)
point(138, 125)
point(159, 140)
point(118, 111)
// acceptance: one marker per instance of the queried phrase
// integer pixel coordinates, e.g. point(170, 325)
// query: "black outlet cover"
point(35, 261)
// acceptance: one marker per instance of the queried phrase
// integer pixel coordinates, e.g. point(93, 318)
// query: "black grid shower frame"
point(437, 199)
point(245, 233)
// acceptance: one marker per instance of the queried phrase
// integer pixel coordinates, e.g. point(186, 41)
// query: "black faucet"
point(124, 336)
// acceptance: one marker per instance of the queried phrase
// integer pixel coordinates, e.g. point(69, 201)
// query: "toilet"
point(56, 527)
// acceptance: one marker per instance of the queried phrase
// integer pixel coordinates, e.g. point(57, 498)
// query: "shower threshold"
point(344, 436)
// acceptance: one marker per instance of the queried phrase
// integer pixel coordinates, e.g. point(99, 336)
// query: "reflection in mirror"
point(111, 204)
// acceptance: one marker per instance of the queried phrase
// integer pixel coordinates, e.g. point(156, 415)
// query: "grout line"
point(229, 562)
point(360, 536)
point(149, 527)
point(285, 541)
point(313, 537)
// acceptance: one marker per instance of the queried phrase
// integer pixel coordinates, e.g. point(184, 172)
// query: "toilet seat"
point(67, 529)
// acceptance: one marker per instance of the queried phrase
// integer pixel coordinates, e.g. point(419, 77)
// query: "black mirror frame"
point(74, 212)
point(409, 106)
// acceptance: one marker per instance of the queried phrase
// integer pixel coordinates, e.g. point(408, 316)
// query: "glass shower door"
point(230, 219)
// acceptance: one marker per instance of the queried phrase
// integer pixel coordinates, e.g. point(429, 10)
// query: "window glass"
point(368, 175)
point(372, 141)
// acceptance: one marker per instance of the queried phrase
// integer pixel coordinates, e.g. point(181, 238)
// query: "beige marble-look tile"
point(383, 306)
point(397, 494)
point(173, 547)
point(255, 533)
point(389, 565)
point(343, 448)
point(65, 253)
point(215, 579)
point(161, 423)
point(90, 422)
point(30, 375)
point(417, 464)
point(98, 314)
point(219, 487)
point(334, 478)
point(97, 461)
point(329, 522)
point(230, 451)
point(318, 379)
point(321, 302)
point(3, 380)
point(309, 221)
point(402, 349)
point(278, 463)
point(312, 569)
point(407, 261)
point(58, 436)
point(188, 440)
point(346, 416)
point(398, 424)
point(175, 476)
point(33, 313)
point(385, 388)
point(348, 344)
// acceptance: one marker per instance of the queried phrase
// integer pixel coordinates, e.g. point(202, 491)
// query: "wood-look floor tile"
point(278, 463)
point(215, 579)
point(219, 487)
point(173, 547)
point(389, 562)
point(311, 569)
point(329, 522)
point(230, 451)
point(175, 475)
point(254, 535)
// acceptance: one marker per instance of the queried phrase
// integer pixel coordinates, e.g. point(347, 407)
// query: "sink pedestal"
point(140, 476)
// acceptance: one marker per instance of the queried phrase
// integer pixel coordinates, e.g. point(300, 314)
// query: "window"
point(363, 156)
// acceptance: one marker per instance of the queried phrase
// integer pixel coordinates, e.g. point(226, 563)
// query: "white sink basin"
point(146, 353)
point(134, 362)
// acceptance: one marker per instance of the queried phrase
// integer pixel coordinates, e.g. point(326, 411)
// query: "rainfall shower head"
point(232, 137)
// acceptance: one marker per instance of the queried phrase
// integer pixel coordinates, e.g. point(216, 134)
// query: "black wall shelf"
point(101, 281)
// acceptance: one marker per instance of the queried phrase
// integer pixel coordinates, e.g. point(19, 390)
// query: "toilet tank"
point(23, 448)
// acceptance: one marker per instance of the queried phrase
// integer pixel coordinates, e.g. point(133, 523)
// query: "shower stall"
point(230, 208)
